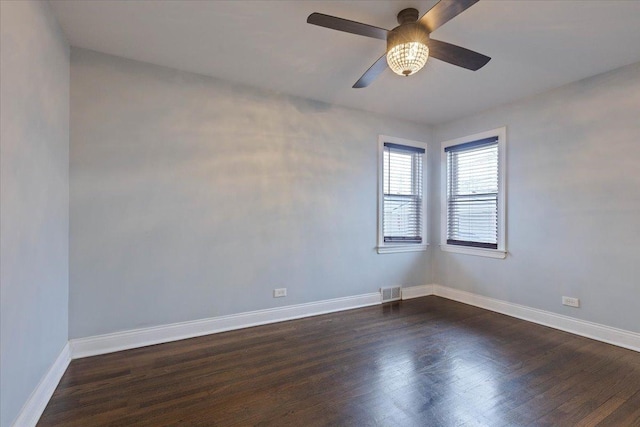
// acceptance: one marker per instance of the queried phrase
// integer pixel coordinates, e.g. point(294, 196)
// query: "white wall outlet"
point(280, 292)
point(571, 302)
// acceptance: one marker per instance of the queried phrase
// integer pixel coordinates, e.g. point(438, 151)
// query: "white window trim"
point(501, 252)
point(384, 247)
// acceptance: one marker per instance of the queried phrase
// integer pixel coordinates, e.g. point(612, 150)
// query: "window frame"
point(501, 251)
point(394, 247)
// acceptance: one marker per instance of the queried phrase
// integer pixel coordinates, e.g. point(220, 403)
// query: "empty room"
point(319, 213)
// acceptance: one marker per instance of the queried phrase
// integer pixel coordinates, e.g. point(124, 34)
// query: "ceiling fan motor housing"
point(409, 30)
point(407, 33)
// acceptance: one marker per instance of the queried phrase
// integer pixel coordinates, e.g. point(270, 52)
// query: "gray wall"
point(192, 197)
point(34, 199)
point(573, 202)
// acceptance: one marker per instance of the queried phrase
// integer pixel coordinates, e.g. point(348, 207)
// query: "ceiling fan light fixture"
point(407, 50)
point(406, 59)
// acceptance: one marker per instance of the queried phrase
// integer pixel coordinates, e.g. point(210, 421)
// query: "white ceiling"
point(534, 45)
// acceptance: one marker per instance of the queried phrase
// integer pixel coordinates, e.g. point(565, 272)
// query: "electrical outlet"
point(280, 292)
point(571, 302)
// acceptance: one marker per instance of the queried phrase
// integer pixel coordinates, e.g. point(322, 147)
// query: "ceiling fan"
point(409, 44)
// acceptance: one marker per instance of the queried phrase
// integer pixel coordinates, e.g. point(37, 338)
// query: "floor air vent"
point(391, 294)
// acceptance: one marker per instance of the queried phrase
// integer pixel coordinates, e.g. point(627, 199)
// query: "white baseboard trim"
point(109, 343)
point(596, 331)
point(37, 402)
point(417, 291)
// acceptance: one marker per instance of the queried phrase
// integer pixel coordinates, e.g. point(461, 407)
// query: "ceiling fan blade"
point(444, 11)
point(457, 55)
point(346, 25)
point(374, 71)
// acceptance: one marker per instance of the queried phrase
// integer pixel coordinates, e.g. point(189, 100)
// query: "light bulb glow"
point(407, 58)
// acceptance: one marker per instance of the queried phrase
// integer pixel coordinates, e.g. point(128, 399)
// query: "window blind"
point(472, 193)
point(402, 188)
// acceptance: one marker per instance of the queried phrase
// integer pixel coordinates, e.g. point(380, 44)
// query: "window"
point(401, 200)
point(473, 194)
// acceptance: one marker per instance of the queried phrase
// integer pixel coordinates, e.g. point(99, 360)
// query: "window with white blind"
point(401, 198)
point(473, 194)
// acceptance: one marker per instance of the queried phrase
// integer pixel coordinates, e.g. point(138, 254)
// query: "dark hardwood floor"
point(422, 362)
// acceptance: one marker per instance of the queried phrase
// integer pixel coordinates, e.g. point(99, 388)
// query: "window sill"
point(390, 249)
point(489, 253)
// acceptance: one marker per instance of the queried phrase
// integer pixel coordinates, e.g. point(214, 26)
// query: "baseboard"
point(37, 402)
point(596, 331)
point(109, 343)
point(417, 291)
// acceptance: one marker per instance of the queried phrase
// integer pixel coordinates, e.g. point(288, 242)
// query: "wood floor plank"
point(627, 414)
point(601, 412)
point(426, 361)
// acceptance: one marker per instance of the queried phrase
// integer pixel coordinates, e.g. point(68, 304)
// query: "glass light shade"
point(407, 58)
